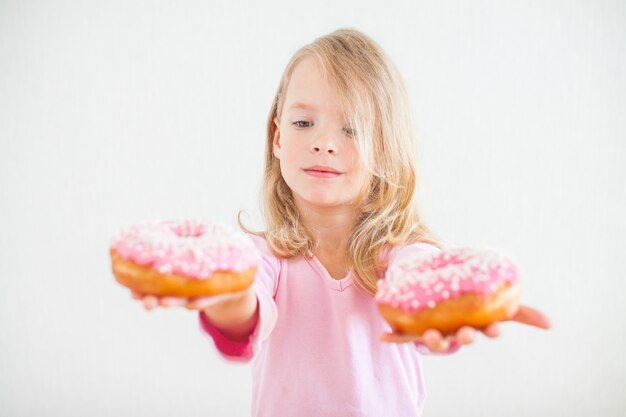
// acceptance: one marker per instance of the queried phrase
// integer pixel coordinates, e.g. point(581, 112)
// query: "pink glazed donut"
point(447, 290)
point(183, 258)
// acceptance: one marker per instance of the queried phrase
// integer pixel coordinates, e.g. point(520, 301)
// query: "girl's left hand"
point(434, 340)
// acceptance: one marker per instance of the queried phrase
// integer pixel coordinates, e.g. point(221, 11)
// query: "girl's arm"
point(233, 314)
point(235, 318)
point(237, 328)
point(237, 323)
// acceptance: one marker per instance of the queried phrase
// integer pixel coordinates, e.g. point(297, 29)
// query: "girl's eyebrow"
point(300, 105)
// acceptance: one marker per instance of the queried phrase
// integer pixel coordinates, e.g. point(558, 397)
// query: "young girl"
point(339, 206)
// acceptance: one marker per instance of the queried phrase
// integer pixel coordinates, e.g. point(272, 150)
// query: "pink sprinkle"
point(187, 247)
point(432, 277)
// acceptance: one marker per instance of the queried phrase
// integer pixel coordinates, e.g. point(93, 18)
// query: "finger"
point(173, 301)
point(465, 335)
point(205, 302)
point(434, 340)
point(200, 303)
point(150, 302)
point(492, 330)
point(532, 317)
point(136, 295)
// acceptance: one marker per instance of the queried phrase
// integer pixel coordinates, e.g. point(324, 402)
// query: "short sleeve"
point(401, 252)
point(265, 285)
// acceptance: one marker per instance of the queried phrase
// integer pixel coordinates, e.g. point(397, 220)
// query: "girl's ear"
point(276, 141)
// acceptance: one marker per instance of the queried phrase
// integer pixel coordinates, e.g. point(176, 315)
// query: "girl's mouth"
point(321, 174)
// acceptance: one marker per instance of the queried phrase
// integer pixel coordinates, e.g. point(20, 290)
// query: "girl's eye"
point(348, 130)
point(300, 121)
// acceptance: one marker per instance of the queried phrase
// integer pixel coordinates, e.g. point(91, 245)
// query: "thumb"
point(201, 303)
point(532, 317)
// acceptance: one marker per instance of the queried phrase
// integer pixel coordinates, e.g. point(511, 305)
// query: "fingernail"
point(445, 344)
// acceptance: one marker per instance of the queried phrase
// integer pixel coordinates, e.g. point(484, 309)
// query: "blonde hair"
point(376, 103)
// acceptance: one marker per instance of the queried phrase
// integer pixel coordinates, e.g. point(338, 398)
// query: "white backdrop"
point(114, 112)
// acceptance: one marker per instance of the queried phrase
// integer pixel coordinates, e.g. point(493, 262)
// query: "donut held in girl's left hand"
point(183, 258)
point(448, 290)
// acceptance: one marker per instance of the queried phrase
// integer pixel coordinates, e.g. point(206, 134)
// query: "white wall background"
point(118, 111)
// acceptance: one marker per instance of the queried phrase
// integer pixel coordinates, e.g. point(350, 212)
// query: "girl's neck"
point(330, 226)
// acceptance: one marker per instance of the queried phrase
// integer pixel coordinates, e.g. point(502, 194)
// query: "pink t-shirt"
point(315, 349)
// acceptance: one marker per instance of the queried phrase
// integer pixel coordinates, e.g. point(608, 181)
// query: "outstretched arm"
point(234, 314)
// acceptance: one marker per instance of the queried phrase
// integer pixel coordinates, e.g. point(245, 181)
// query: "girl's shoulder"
point(258, 238)
point(270, 263)
point(394, 252)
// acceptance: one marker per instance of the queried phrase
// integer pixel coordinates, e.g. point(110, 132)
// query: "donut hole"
point(188, 229)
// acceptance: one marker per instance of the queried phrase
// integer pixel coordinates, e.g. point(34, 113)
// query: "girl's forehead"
point(307, 89)
point(309, 99)
point(314, 106)
point(310, 107)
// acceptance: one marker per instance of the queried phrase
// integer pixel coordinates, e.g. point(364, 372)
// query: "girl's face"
point(312, 135)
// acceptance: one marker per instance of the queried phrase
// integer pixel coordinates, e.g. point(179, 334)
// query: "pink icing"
point(187, 247)
point(415, 283)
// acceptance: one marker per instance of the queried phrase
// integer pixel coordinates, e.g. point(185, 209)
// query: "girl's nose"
point(323, 146)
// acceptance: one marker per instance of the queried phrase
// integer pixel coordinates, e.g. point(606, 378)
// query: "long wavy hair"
point(377, 106)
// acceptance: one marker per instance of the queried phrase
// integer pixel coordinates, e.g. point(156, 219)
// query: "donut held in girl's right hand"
point(183, 258)
point(448, 290)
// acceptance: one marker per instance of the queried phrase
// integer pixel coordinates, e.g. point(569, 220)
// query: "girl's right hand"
point(150, 302)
